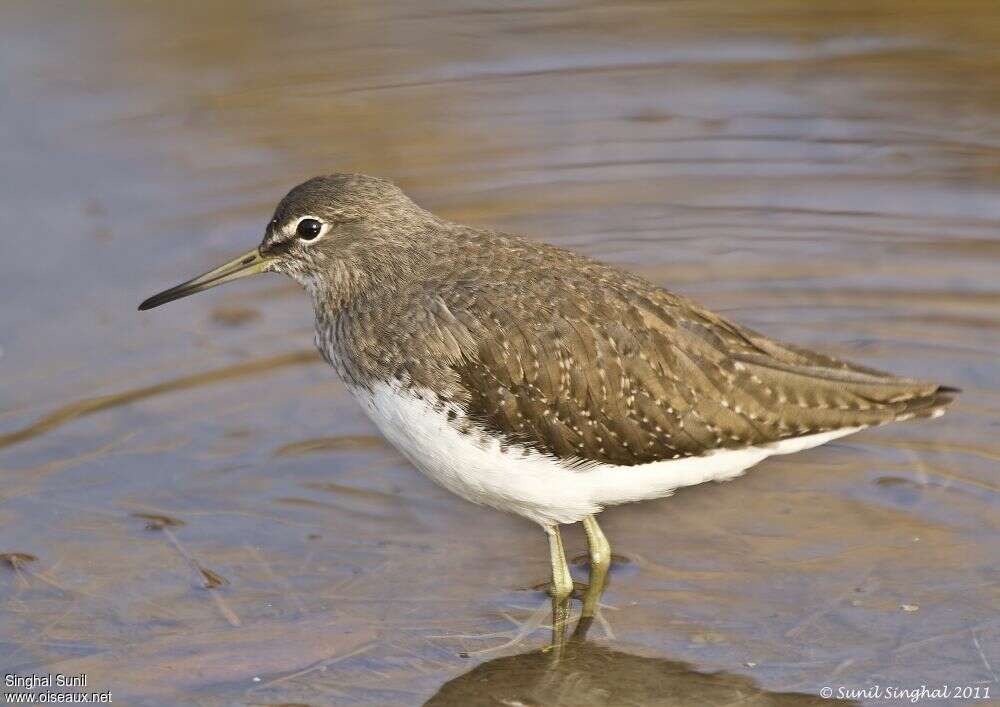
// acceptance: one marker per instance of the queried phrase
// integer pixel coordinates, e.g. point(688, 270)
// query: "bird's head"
point(330, 227)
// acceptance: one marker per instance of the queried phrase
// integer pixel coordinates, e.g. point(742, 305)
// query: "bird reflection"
point(586, 674)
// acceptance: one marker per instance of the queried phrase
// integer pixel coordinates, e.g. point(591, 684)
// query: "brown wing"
point(639, 376)
point(578, 360)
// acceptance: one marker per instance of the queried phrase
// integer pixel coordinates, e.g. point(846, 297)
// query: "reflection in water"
point(587, 674)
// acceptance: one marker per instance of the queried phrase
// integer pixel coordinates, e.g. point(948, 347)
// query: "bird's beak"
point(249, 263)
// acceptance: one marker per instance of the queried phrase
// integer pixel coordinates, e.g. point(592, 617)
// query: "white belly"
point(534, 485)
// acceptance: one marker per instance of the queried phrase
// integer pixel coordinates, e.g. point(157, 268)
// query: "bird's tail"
point(830, 397)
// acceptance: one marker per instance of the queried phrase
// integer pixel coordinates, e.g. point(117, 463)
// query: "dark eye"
point(308, 229)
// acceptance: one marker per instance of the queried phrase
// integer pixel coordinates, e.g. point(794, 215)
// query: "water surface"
point(194, 510)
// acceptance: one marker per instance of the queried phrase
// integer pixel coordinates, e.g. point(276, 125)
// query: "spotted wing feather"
point(586, 363)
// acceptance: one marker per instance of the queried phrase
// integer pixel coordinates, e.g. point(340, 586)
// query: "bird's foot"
point(539, 619)
point(521, 630)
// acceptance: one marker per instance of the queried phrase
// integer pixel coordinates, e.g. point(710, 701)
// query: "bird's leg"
point(562, 586)
point(600, 561)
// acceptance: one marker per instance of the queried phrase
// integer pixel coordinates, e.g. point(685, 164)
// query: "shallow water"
point(202, 513)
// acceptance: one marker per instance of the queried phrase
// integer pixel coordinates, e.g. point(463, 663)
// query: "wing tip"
point(931, 405)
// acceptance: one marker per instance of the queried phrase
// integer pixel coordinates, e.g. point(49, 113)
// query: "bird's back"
point(562, 355)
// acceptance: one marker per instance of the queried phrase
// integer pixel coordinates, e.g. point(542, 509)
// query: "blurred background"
point(192, 509)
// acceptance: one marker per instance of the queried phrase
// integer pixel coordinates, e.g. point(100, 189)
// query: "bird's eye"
point(308, 229)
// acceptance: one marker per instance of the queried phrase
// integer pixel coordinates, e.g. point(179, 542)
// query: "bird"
point(535, 380)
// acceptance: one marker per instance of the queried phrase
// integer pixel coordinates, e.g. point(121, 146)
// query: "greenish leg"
point(600, 561)
point(562, 586)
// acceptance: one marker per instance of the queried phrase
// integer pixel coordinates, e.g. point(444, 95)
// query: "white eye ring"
point(309, 229)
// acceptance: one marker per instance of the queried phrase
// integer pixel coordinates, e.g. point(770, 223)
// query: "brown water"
point(204, 516)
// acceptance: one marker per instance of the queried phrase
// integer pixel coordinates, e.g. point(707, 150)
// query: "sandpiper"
point(537, 381)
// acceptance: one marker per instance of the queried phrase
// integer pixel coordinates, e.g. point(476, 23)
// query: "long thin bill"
point(247, 264)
